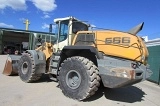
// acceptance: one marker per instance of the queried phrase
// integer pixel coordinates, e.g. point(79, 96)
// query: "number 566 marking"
point(118, 40)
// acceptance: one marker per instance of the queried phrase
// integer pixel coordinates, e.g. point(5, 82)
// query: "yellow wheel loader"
point(80, 59)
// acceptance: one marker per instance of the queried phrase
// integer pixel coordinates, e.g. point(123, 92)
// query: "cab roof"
point(68, 18)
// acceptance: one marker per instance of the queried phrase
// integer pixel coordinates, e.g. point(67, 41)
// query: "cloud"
point(14, 4)
point(93, 25)
point(22, 19)
point(46, 16)
point(6, 25)
point(45, 5)
point(45, 26)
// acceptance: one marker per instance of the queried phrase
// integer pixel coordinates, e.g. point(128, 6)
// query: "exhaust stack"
point(136, 29)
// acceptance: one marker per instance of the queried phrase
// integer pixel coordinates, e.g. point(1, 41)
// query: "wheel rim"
point(24, 68)
point(73, 79)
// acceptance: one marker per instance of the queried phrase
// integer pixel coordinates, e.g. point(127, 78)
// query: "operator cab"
point(65, 30)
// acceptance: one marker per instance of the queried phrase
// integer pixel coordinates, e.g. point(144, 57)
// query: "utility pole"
point(27, 23)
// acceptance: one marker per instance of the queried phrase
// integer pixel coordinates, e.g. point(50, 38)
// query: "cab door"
point(62, 40)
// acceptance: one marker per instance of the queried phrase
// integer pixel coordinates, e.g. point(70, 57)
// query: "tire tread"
point(93, 74)
point(33, 77)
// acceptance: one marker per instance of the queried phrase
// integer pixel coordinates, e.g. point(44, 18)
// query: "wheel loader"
point(81, 58)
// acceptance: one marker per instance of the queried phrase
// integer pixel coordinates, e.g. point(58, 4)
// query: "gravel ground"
point(14, 92)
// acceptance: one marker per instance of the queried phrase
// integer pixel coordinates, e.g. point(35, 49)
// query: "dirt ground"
point(14, 92)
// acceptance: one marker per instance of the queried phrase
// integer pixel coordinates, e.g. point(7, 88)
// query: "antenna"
point(27, 23)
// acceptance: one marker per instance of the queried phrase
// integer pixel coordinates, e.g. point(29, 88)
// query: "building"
point(154, 59)
point(12, 40)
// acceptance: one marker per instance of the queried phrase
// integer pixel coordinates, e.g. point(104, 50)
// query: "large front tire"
point(26, 69)
point(78, 78)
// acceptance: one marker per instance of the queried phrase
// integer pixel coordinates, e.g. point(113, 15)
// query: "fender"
point(39, 60)
point(70, 50)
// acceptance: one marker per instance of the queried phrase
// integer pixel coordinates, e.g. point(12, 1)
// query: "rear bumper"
point(116, 82)
point(119, 73)
point(120, 77)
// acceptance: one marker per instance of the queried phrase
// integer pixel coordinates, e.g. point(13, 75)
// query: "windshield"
point(63, 29)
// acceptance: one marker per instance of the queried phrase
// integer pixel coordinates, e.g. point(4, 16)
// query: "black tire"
point(86, 74)
point(26, 69)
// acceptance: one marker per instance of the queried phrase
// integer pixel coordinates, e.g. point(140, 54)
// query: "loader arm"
point(47, 49)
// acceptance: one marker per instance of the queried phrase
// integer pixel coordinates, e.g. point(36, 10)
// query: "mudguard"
point(39, 60)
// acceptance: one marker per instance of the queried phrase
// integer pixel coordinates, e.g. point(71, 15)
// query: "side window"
point(78, 26)
point(55, 30)
point(63, 32)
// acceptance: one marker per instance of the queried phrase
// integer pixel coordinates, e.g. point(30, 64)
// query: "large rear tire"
point(78, 78)
point(26, 69)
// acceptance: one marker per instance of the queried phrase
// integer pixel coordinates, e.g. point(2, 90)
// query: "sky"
point(119, 15)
